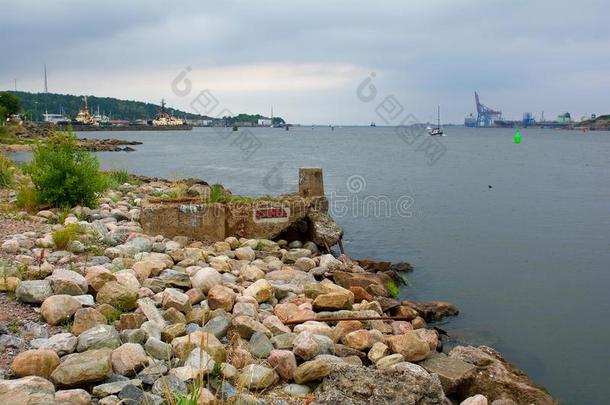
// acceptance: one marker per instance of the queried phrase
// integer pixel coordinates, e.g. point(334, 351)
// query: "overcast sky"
point(307, 58)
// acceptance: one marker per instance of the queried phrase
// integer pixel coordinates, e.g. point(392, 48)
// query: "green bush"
point(64, 174)
point(10, 103)
point(7, 175)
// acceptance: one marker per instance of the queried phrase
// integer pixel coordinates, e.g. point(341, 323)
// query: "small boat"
point(234, 127)
point(373, 124)
point(437, 131)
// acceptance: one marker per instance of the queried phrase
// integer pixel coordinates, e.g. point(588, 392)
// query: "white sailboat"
point(437, 131)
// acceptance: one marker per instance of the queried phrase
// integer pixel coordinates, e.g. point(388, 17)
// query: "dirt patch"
point(13, 315)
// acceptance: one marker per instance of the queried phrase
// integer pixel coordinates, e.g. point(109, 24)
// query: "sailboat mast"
point(439, 116)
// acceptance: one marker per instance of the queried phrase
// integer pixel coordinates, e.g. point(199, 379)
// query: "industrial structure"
point(485, 115)
point(528, 119)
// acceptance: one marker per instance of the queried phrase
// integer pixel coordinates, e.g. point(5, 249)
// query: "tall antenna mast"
point(15, 84)
point(46, 88)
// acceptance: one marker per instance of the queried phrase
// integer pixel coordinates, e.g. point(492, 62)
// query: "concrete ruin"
point(300, 215)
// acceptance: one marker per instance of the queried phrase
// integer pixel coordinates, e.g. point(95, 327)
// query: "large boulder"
point(72, 397)
point(40, 363)
point(334, 301)
point(34, 291)
point(87, 318)
point(151, 311)
point(306, 346)
point(496, 378)
point(116, 294)
point(183, 345)
point(220, 296)
point(289, 276)
point(284, 362)
point(27, 391)
point(61, 343)
point(128, 359)
point(68, 282)
point(174, 298)
point(206, 278)
point(433, 310)
point(313, 370)
point(83, 368)
point(97, 276)
point(324, 231)
point(59, 308)
point(373, 283)
point(246, 326)
point(254, 376)
point(353, 385)
point(409, 345)
point(454, 373)
point(98, 337)
point(260, 290)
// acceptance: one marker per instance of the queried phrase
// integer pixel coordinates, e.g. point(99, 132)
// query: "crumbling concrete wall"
point(199, 220)
point(194, 219)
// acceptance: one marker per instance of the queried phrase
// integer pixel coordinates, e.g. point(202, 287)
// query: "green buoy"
point(517, 136)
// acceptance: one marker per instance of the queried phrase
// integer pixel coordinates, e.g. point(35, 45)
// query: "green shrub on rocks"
point(64, 174)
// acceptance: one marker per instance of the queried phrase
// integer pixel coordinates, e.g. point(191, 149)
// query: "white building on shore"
point(264, 122)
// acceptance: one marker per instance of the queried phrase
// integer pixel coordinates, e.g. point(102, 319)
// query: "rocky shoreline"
point(26, 135)
point(130, 318)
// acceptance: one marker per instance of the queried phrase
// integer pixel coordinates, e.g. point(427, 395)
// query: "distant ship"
point(373, 124)
point(166, 120)
point(84, 117)
point(85, 121)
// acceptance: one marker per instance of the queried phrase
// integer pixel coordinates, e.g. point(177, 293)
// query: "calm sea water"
point(527, 261)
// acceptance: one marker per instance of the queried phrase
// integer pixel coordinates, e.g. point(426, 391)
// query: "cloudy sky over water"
point(307, 58)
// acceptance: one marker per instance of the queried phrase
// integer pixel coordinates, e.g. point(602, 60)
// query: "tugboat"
point(373, 124)
point(84, 117)
point(437, 131)
point(165, 120)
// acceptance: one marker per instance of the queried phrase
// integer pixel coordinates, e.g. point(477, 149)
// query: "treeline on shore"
point(34, 105)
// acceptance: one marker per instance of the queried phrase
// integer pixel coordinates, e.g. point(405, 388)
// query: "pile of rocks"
point(237, 320)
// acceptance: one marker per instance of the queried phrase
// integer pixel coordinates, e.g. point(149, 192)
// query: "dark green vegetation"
point(35, 105)
point(253, 118)
point(9, 104)
point(64, 174)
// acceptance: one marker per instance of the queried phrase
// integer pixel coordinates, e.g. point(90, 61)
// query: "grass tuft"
point(7, 174)
point(62, 237)
point(27, 199)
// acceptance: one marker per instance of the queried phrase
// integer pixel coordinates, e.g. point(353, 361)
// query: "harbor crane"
point(485, 115)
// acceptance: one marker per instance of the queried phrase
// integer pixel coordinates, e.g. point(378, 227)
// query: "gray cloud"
point(520, 55)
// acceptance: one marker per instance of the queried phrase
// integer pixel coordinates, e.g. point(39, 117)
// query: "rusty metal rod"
point(341, 246)
point(359, 318)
